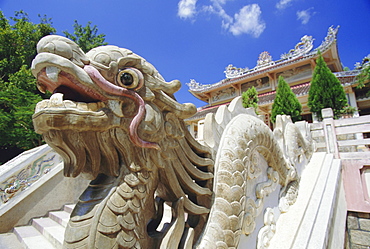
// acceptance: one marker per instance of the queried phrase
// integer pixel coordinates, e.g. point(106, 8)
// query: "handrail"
point(329, 129)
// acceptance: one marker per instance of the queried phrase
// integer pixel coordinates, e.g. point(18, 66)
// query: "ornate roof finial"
point(330, 38)
point(194, 85)
point(232, 72)
point(302, 47)
point(264, 59)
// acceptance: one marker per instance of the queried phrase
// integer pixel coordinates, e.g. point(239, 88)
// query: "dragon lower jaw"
point(56, 101)
point(58, 114)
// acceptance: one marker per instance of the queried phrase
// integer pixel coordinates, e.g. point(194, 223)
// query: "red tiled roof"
point(204, 111)
point(298, 90)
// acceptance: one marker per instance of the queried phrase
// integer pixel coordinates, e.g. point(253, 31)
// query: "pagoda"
point(296, 67)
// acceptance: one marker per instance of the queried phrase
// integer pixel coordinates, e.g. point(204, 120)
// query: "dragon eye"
point(130, 78)
point(126, 79)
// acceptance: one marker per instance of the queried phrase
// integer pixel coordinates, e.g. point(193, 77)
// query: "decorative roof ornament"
point(365, 62)
point(302, 50)
point(264, 59)
point(193, 84)
point(330, 37)
point(302, 47)
point(232, 72)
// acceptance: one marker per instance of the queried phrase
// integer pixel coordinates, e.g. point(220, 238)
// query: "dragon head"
point(102, 101)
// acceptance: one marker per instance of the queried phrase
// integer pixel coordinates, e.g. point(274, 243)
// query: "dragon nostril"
point(57, 47)
point(49, 48)
point(63, 49)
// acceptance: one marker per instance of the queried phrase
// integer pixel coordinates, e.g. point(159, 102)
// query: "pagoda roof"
point(302, 51)
point(346, 78)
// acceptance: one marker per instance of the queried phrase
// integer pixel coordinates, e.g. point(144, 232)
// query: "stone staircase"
point(44, 233)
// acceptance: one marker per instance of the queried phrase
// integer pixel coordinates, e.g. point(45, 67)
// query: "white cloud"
point(221, 2)
point(248, 21)
point(186, 8)
point(282, 4)
point(305, 15)
point(216, 8)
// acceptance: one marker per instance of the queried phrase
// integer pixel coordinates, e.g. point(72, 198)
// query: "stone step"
point(10, 241)
point(31, 238)
point(61, 217)
point(69, 208)
point(44, 233)
point(51, 230)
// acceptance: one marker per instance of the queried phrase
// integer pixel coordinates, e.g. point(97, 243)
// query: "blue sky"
point(197, 39)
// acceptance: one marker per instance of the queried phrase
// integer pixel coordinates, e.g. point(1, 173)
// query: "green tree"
point(363, 78)
point(18, 93)
point(325, 91)
point(285, 102)
point(86, 37)
point(250, 98)
point(18, 41)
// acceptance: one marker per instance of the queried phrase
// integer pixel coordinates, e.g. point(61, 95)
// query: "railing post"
point(329, 132)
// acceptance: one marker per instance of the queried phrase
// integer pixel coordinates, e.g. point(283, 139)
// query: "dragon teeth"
point(52, 73)
point(92, 106)
point(82, 106)
point(69, 104)
point(56, 100)
point(42, 105)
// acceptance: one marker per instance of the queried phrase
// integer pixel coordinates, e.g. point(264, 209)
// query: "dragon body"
point(114, 119)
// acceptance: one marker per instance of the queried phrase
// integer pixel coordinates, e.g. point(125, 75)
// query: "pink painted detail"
point(354, 183)
point(365, 183)
point(120, 91)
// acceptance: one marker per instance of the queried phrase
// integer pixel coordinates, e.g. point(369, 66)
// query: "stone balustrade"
point(346, 139)
point(342, 137)
point(32, 184)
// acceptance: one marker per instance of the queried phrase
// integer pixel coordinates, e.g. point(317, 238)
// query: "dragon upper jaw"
point(66, 79)
point(53, 71)
point(75, 102)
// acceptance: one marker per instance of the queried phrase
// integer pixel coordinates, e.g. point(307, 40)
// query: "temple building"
point(296, 67)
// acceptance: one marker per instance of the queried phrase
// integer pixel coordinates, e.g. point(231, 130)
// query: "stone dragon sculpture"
point(114, 119)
